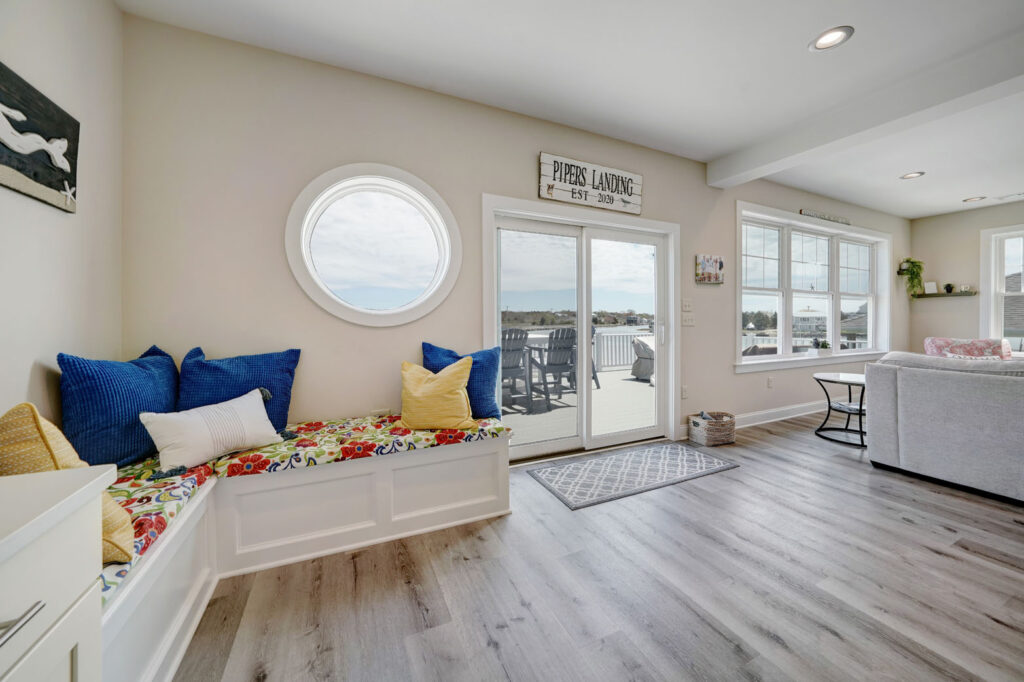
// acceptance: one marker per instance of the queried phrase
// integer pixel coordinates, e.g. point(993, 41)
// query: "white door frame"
point(496, 206)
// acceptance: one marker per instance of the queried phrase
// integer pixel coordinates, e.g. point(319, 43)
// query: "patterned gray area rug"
point(587, 481)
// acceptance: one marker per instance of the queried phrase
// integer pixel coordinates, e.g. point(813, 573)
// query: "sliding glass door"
point(581, 329)
point(625, 330)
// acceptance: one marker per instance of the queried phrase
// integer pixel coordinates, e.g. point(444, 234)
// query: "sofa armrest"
point(880, 420)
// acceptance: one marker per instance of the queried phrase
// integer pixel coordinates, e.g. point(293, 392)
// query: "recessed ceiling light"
point(834, 37)
point(971, 200)
point(911, 176)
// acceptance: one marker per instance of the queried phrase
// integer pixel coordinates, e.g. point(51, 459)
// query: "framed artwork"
point(38, 144)
point(710, 269)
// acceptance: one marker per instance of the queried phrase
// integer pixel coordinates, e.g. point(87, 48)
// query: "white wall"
point(221, 138)
point(950, 246)
point(60, 273)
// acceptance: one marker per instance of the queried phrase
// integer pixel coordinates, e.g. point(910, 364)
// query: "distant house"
point(808, 322)
point(855, 324)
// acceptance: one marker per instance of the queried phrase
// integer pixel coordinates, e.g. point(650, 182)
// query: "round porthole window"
point(373, 245)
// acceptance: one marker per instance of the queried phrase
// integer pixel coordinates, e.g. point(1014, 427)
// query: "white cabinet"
point(50, 557)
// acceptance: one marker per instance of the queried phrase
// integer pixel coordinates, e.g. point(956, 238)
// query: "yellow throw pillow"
point(30, 444)
point(436, 401)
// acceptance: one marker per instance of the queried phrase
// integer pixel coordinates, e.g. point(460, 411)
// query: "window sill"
point(793, 362)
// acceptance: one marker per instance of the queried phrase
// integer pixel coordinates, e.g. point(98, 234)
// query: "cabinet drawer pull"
point(12, 626)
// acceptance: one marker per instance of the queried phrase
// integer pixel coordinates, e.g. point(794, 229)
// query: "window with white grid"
point(806, 292)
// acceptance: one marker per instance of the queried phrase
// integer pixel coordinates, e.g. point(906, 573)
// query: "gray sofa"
point(960, 421)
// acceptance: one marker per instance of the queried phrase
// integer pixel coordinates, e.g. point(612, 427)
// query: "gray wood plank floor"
point(805, 563)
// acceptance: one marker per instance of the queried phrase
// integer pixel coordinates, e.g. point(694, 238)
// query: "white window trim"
point(882, 270)
point(989, 285)
point(315, 198)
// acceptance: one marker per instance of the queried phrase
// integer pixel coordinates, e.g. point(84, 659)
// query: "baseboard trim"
point(778, 413)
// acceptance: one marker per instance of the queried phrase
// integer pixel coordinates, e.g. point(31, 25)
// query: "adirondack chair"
point(556, 362)
point(514, 365)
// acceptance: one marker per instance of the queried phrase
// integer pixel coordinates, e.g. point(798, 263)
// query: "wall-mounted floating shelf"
point(945, 295)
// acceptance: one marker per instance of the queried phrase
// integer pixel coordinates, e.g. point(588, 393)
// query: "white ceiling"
point(979, 152)
point(710, 81)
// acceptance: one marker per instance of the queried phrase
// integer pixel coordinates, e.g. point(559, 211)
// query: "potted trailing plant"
point(912, 269)
point(820, 348)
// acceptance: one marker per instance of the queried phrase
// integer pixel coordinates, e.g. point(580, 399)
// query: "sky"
point(1013, 256)
point(538, 272)
point(374, 250)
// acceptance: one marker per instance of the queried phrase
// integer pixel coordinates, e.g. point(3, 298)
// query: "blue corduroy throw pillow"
point(102, 399)
point(207, 382)
point(483, 377)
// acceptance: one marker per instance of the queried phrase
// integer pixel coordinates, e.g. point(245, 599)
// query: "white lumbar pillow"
point(196, 436)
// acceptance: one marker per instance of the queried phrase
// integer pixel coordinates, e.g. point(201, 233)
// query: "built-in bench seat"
point(223, 518)
point(154, 504)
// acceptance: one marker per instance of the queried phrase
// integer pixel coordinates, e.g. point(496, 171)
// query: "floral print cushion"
point(942, 346)
point(153, 504)
point(321, 442)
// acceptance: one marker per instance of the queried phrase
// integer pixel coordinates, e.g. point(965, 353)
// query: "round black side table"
point(843, 434)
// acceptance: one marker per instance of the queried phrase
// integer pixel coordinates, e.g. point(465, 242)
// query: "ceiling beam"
point(993, 72)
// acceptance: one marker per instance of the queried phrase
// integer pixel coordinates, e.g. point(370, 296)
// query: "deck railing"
point(614, 350)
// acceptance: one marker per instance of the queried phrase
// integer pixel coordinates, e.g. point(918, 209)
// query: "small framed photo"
point(931, 288)
point(710, 269)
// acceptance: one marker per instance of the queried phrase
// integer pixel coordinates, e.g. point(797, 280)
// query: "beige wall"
point(950, 246)
point(60, 274)
point(221, 138)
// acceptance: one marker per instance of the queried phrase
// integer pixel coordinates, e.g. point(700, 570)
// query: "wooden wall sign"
point(579, 182)
point(38, 144)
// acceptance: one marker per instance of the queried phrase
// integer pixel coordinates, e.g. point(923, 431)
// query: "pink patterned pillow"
point(938, 345)
point(947, 354)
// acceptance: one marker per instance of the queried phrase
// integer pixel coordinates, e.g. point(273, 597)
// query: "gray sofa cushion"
point(1012, 368)
point(964, 429)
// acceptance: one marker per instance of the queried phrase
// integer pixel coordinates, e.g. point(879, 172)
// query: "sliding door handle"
point(12, 626)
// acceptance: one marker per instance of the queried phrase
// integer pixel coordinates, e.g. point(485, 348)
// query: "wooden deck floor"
point(622, 403)
point(804, 563)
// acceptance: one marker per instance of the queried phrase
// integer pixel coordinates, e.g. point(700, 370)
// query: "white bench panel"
point(273, 519)
point(309, 505)
point(434, 486)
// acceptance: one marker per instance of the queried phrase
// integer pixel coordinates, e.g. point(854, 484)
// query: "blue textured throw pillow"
point(483, 377)
point(207, 382)
point(102, 400)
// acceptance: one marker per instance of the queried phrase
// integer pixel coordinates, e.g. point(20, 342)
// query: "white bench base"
point(247, 523)
point(149, 620)
point(268, 520)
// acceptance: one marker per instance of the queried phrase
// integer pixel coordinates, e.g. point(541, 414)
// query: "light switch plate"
point(688, 320)
point(687, 305)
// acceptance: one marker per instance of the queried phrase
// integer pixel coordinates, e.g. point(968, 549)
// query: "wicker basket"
point(719, 431)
